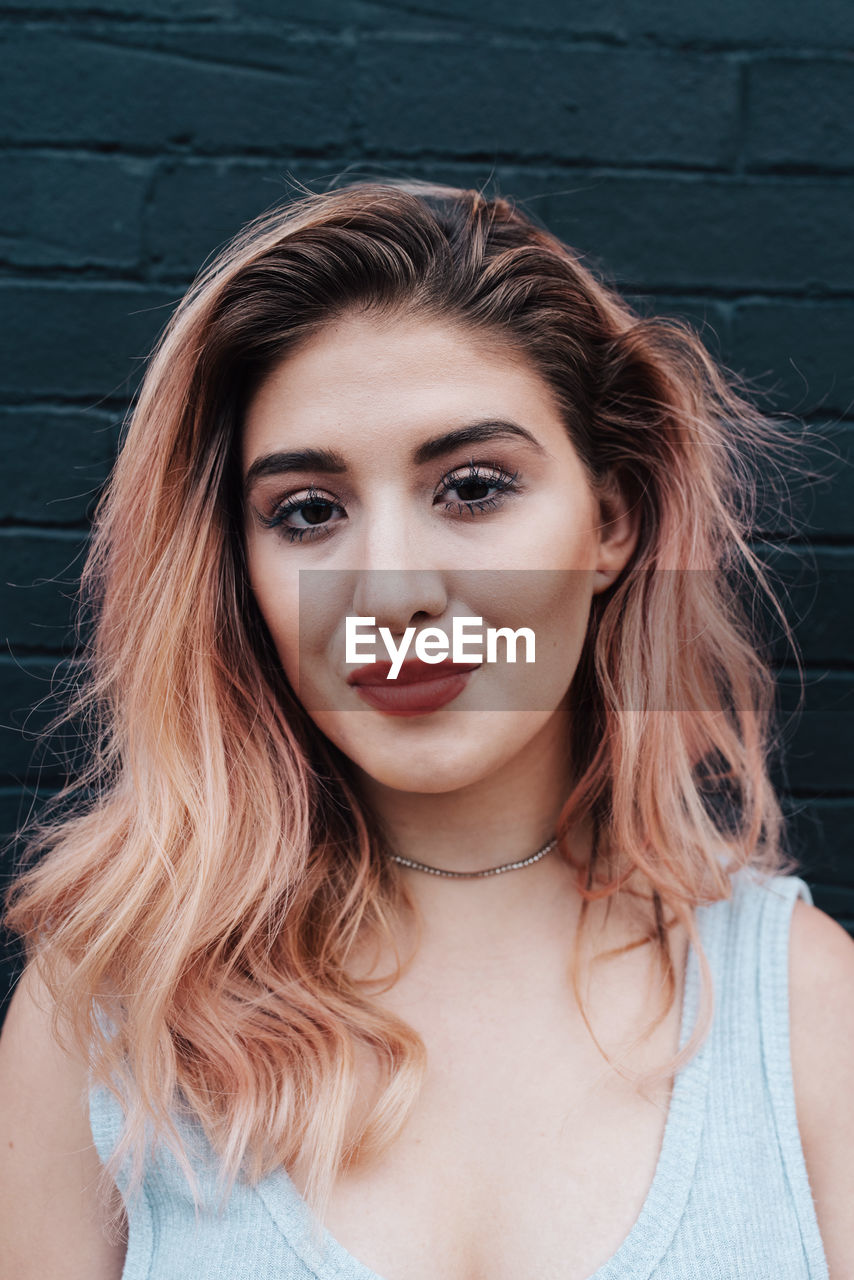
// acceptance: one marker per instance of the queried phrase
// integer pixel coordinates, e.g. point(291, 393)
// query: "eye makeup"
point(311, 504)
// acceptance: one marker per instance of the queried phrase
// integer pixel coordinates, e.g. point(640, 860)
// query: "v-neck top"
point(730, 1197)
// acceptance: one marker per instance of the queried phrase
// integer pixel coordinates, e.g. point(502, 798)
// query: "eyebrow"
point(333, 463)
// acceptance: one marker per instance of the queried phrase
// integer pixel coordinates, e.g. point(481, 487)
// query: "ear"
point(619, 529)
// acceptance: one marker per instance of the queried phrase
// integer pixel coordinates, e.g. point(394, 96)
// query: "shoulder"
point(49, 1166)
point(821, 1010)
point(31, 1056)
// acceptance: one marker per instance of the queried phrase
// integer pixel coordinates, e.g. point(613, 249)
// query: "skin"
point(481, 781)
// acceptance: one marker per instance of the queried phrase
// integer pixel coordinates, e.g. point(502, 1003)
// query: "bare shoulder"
point(821, 991)
point(51, 1221)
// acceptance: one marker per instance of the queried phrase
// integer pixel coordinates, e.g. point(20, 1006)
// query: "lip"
point(413, 671)
point(420, 687)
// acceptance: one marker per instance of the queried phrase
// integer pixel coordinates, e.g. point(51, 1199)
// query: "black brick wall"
point(702, 155)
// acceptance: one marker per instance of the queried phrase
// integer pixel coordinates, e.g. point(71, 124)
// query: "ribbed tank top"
point(730, 1197)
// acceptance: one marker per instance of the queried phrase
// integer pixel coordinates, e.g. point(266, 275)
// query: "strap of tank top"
point(775, 926)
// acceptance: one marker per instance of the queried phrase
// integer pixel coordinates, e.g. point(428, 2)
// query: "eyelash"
point(496, 478)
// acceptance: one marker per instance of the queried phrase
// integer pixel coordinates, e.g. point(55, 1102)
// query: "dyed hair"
point(203, 877)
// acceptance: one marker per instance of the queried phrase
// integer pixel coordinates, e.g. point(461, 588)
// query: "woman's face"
point(439, 483)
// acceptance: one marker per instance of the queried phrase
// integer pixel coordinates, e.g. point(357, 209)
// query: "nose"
point(395, 578)
point(397, 598)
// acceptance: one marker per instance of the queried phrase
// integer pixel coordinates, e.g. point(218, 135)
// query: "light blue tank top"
point(730, 1198)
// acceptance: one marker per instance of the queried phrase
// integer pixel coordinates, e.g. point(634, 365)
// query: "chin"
point(433, 756)
point(443, 765)
point(398, 776)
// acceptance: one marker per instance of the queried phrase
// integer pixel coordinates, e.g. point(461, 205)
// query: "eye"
point(311, 514)
point(313, 508)
point(482, 486)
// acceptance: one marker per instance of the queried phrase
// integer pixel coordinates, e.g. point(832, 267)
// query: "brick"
point(613, 106)
point(184, 9)
point(54, 462)
point(17, 804)
point(689, 232)
point(708, 319)
point(800, 112)
point(798, 352)
point(817, 750)
point(39, 573)
point(28, 702)
point(89, 339)
point(804, 485)
point(191, 93)
point(326, 13)
point(658, 232)
point(815, 504)
point(197, 205)
point(730, 23)
point(70, 211)
point(816, 589)
point(822, 834)
point(822, 498)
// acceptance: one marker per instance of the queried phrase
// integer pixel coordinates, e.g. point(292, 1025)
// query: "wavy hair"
point(203, 876)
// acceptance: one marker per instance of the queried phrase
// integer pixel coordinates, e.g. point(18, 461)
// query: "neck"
point(502, 818)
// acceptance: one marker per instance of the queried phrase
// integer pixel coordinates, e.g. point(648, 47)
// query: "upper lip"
point(413, 671)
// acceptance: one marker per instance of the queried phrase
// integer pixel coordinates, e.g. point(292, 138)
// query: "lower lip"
point(414, 699)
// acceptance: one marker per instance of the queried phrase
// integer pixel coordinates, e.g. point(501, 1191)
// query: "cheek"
point(560, 531)
point(562, 610)
point(555, 602)
point(277, 596)
point(567, 621)
point(562, 616)
point(302, 609)
point(555, 605)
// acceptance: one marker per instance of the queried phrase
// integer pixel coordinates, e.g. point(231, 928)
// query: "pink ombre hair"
point(203, 878)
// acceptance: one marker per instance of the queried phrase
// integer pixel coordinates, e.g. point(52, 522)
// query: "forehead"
point(363, 377)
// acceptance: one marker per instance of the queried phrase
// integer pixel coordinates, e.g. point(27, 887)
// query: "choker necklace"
point(474, 875)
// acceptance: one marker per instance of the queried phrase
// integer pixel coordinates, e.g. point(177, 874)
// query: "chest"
point(525, 1153)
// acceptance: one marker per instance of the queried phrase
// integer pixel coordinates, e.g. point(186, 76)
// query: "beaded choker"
point(474, 875)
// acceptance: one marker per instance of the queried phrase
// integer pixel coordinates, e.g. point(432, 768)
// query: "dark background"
point(702, 155)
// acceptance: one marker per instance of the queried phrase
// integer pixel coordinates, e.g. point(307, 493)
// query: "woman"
point(485, 972)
